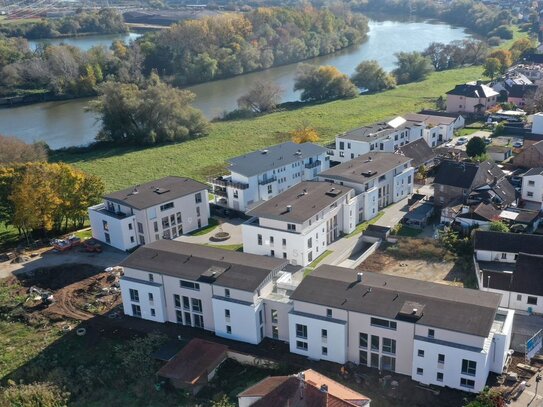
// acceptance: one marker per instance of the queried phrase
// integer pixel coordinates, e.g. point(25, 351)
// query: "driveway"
point(393, 214)
point(480, 133)
point(108, 257)
point(232, 226)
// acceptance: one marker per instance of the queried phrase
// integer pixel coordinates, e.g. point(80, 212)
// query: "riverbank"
point(207, 156)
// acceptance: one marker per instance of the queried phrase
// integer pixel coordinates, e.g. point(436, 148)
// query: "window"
point(189, 284)
point(310, 243)
point(310, 256)
point(130, 227)
point(236, 194)
point(136, 311)
point(179, 316)
point(439, 377)
point(375, 360)
point(197, 211)
point(388, 363)
point(291, 226)
point(177, 301)
point(324, 350)
point(132, 239)
point(188, 319)
point(108, 239)
point(470, 384)
point(363, 341)
point(504, 255)
point(284, 242)
point(301, 345)
point(167, 234)
point(178, 217)
point(532, 300)
point(260, 317)
point(431, 333)
point(153, 313)
point(140, 227)
point(389, 346)
point(155, 226)
point(196, 305)
point(227, 293)
point(420, 353)
point(105, 225)
point(531, 183)
point(324, 333)
point(284, 255)
point(519, 297)
point(172, 219)
point(301, 331)
point(341, 145)
point(271, 240)
point(259, 238)
point(167, 206)
point(275, 332)
point(469, 367)
point(363, 357)
point(198, 321)
point(441, 358)
point(227, 315)
point(198, 197)
point(151, 277)
point(186, 303)
point(228, 329)
point(151, 298)
point(274, 318)
point(272, 253)
point(383, 323)
point(420, 371)
point(134, 295)
point(374, 342)
point(270, 188)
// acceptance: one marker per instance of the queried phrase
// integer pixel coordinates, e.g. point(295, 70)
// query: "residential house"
point(378, 179)
point(437, 334)
point(459, 121)
point(436, 129)
point(420, 153)
point(498, 259)
point(377, 137)
point(472, 98)
point(455, 181)
point(162, 209)
point(299, 224)
point(499, 153)
point(200, 286)
point(530, 157)
point(515, 88)
point(532, 186)
point(305, 389)
point(261, 175)
point(534, 72)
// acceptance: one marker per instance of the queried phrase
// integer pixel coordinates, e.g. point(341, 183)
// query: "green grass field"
point(206, 156)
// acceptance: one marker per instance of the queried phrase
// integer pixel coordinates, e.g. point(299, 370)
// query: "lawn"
point(213, 223)
point(207, 156)
point(317, 261)
point(232, 247)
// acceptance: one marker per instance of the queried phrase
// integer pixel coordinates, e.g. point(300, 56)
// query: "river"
point(66, 123)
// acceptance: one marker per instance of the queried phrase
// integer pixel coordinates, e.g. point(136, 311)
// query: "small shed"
point(195, 365)
point(499, 153)
point(418, 215)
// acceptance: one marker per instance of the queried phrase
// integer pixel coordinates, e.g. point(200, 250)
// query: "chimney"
point(324, 388)
point(359, 277)
point(289, 208)
point(135, 190)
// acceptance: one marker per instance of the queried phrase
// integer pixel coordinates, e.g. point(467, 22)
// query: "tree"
point(224, 401)
point(488, 398)
point(476, 146)
point(262, 97)
point(492, 67)
point(305, 135)
point(369, 75)
point(504, 56)
point(411, 67)
point(519, 47)
point(13, 150)
point(498, 226)
point(323, 83)
point(156, 113)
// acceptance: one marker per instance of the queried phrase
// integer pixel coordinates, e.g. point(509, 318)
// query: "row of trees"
point(38, 198)
point(500, 60)
point(232, 44)
point(105, 21)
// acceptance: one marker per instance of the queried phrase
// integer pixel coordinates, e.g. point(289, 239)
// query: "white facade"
point(125, 227)
point(532, 188)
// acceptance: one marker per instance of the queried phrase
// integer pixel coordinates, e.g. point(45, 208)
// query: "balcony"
point(267, 181)
point(227, 182)
point(101, 208)
point(314, 164)
point(220, 192)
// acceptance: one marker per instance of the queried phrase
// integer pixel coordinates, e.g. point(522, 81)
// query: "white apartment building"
point(532, 186)
point(436, 130)
point(378, 179)
point(300, 223)
point(200, 286)
point(162, 209)
point(261, 175)
point(510, 264)
point(434, 333)
point(382, 136)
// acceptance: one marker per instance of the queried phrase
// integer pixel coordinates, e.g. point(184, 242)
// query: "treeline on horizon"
point(105, 21)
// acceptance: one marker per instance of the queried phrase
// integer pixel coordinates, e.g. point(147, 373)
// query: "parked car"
point(518, 144)
point(487, 140)
point(461, 140)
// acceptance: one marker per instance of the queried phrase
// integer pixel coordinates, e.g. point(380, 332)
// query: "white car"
point(461, 140)
point(518, 144)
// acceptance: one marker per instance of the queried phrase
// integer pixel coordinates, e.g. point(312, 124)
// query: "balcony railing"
point(102, 208)
point(225, 182)
point(314, 164)
point(220, 192)
point(267, 181)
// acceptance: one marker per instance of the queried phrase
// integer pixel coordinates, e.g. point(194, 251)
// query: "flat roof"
point(272, 157)
point(375, 131)
point(300, 202)
point(382, 295)
point(206, 264)
point(156, 192)
point(430, 119)
point(366, 167)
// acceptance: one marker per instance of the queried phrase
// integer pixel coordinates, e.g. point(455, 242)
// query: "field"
point(207, 156)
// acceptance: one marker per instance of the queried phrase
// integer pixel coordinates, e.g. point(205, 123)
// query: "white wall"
point(532, 184)
point(144, 288)
point(282, 324)
point(487, 255)
point(244, 320)
point(120, 234)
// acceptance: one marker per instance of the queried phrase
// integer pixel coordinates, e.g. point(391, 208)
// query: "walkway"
point(393, 214)
point(528, 397)
point(232, 226)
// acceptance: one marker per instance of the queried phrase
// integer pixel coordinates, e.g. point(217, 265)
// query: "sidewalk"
point(528, 396)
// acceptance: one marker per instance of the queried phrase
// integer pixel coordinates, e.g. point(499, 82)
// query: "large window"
point(532, 300)
point(186, 303)
point(301, 331)
point(291, 226)
point(469, 367)
point(389, 346)
point(363, 341)
point(166, 206)
point(363, 357)
point(136, 311)
point(198, 197)
point(374, 342)
point(134, 295)
point(189, 284)
point(383, 323)
point(259, 239)
point(198, 321)
point(301, 345)
point(388, 363)
point(177, 300)
point(274, 316)
point(470, 384)
point(196, 305)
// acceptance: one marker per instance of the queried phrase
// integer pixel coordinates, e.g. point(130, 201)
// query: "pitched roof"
point(431, 119)
point(473, 90)
point(508, 242)
point(376, 131)
point(194, 362)
point(300, 202)
point(156, 192)
point(264, 387)
point(521, 91)
point(453, 308)
point(366, 167)
point(483, 212)
point(273, 157)
point(527, 278)
point(194, 262)
point(456, 174)
point(419, 151)
point(533, 171)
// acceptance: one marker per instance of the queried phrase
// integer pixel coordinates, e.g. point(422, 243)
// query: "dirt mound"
point(55, 278)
